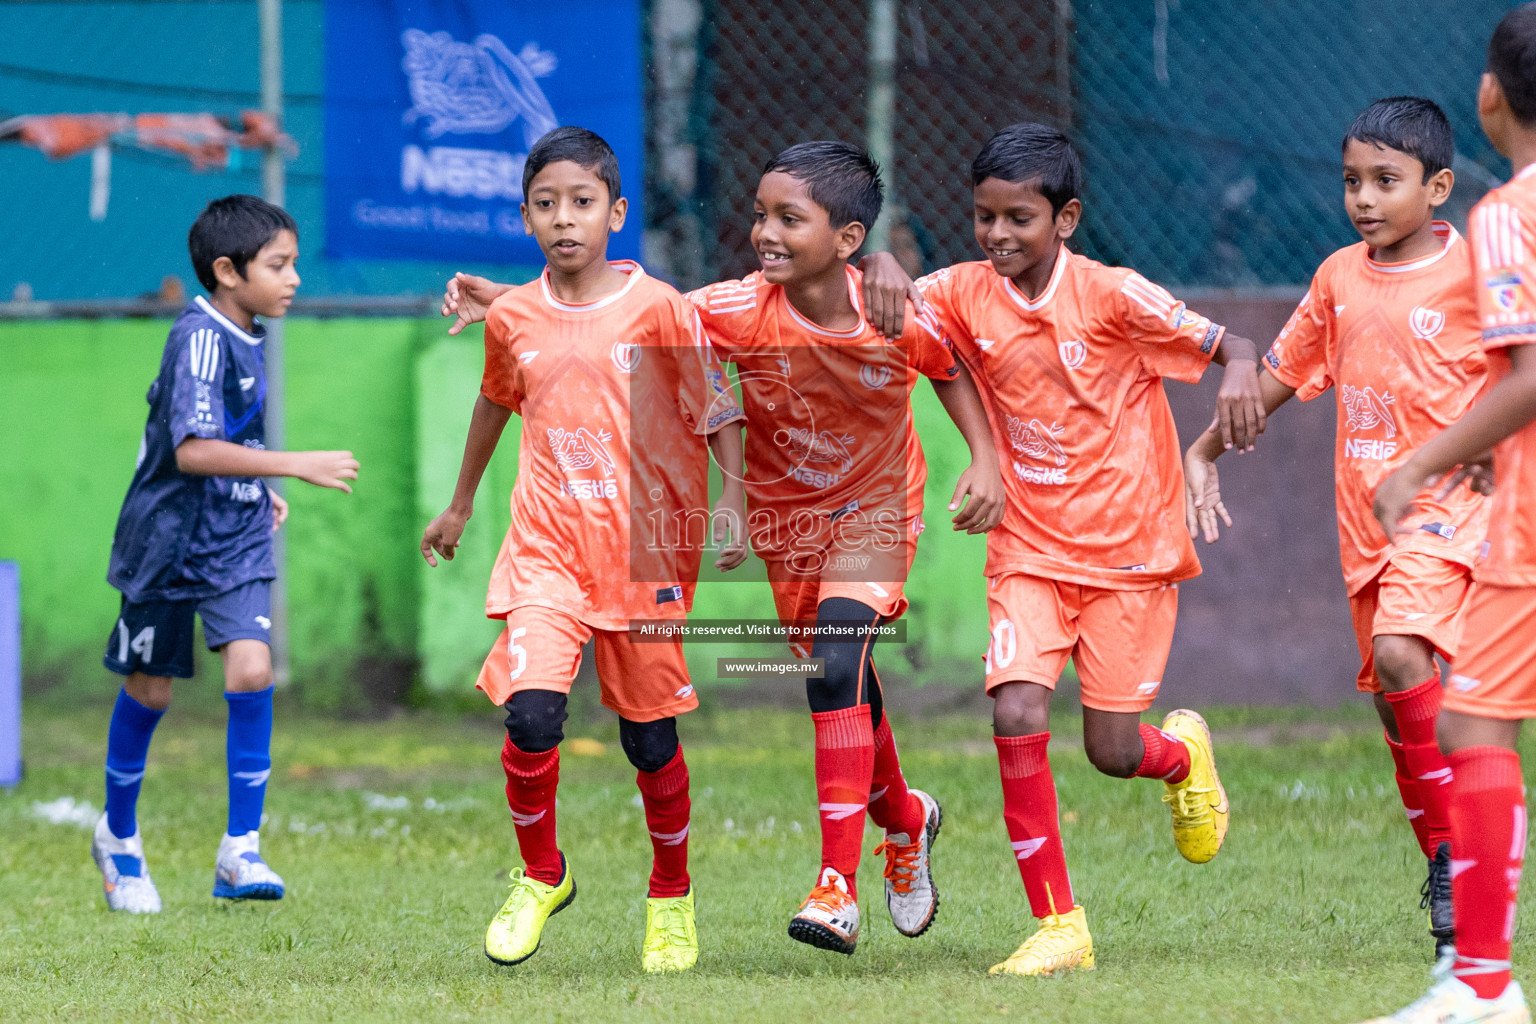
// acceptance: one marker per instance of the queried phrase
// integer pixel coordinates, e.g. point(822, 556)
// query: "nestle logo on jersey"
point(815, 478)
point(1031, 475)
point(244, 492)
point(589, 488)
point(1369, 448)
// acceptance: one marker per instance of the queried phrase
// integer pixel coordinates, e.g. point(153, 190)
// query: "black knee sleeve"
point(848, 678)
point(650, 746)
point(534, 720)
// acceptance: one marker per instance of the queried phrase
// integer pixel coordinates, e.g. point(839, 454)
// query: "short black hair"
point(236, 226)
point(1512, 60)
point(1028, 152)
point(1411, 125)
point(841, 179)
point(581, 147)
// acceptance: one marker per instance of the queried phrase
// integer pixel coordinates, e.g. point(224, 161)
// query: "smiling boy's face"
point(568, 212)
point(1385, 193)
point(792, 234)
point(1016, 227)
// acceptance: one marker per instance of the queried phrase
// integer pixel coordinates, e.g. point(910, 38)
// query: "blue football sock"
point(133, 725)
point(248, 752)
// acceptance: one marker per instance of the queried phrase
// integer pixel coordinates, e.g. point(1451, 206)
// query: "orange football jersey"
point(1073, 385)
point(829, 413)
point(1503, 240)
point(1399, 343)
point(615, 396)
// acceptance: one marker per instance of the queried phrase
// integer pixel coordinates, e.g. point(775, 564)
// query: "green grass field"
point(395, 841)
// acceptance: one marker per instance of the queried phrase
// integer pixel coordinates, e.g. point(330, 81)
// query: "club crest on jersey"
point(1072, 353)
point(1426, 323)
point(626, 356)
point(1504, 290)
point(581, 449)
point(874, 377)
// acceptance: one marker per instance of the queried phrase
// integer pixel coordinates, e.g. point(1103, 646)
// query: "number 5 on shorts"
point(517, 657)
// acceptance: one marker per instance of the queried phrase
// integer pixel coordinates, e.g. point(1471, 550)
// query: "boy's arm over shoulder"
point(944, 294)
point(705, 398)
point(927, 347)
point(730, 310)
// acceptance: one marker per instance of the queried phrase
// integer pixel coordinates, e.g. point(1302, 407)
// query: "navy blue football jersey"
point(179, 536)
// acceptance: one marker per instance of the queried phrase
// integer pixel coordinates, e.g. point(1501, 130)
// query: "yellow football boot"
point(1061, 944)
point(1199, 803)
point(671, 941)
point(514, 933)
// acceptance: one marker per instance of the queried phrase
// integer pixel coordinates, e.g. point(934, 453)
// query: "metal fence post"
point(274, 190)
point(880, 125)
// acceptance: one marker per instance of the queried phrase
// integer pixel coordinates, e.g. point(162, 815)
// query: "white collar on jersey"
point(630, 267)
point(1525, 172)
point(207, 307)
point(1062, 256)
point(1447, 235)
point(858, 307)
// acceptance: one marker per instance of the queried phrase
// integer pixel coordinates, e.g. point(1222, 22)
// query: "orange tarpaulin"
point(203, 139)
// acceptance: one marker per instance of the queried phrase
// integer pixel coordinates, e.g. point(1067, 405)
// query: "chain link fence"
point(1210, 132)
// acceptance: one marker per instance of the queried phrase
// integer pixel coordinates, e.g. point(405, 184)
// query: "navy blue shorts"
point(155, 637)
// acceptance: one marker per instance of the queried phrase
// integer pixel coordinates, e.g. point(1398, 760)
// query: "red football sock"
point(1488, 851)
point(1416, 711)
point(1408, 788)
point(891, 805)
point(531, 783)
point(1165, 756)
point(665, 793)
point(845, 761)
point(1029, 810)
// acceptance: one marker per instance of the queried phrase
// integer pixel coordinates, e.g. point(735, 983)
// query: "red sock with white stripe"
point(1416, 712)
point(665, 794)
point(1163, 756)
point(1408, 789)
point(1029, 811)
point(891, 804)
point(531, 783)
point(845, 761)
point(1487, 854)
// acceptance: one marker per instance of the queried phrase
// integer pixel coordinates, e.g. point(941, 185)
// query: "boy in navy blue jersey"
point(195, 535)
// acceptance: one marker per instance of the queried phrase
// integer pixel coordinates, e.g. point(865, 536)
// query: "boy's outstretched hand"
point(326, 469)
point(467, 297)
point(729, 525)
point(987, 502)
point(1240, 403)
point(279, 510)
point(1202, 498)
point(443, 534)
point(887, 290)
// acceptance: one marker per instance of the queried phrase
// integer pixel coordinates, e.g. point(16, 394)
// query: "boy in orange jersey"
point(1391, 323)
point(1070, 356)
point(616, 385)
point(834, 486)
point(835, 479)
point(1493, 682)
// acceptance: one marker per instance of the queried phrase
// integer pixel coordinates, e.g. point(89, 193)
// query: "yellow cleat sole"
point(1202, 846)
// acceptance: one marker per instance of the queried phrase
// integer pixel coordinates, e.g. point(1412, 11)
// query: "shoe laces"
point(901, 862)
point(669, 927)
point(522, 891)
point(827, 897)
point(1437, 884)
point(1191, 806)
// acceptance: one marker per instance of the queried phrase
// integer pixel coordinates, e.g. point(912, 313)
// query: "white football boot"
point(239, 873)
point(829, 917)
point(124, 872)
point(910, 893)
point(1453, 1001)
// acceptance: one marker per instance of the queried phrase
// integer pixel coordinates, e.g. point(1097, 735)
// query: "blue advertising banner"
point(431, 107)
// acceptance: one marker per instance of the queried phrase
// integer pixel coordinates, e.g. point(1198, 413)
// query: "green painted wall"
point(366, 610)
